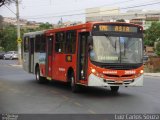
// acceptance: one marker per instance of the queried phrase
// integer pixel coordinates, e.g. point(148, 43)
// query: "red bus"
point(90, 54)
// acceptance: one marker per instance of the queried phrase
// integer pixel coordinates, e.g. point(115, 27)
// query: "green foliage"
point(45, 26)
point(158, 49)
point(152, 34)
point(8, 36)
point(1, 49)
point(120, 20)
point(1, 22)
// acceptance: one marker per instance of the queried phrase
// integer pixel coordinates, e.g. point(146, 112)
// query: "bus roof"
point(34, 33)
point(87, 25)
point(74, 27)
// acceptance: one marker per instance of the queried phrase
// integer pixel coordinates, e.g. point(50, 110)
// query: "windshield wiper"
point(114, 45)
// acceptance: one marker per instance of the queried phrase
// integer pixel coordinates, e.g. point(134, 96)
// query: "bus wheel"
point(74, 87)
point(38, 77)
point(114, 89)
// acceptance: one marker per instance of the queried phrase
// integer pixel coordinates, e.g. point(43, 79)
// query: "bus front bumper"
point(94, 80)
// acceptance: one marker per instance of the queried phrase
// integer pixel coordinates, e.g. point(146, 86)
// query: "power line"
point(129, 7)
point(44, 5)
point(83, 9)
point(10, 9)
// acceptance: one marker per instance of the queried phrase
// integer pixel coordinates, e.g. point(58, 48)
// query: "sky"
point(53, 10)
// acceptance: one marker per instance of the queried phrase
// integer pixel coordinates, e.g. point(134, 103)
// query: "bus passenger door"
point(82, 56)
point(31, 55)
point(49, 57)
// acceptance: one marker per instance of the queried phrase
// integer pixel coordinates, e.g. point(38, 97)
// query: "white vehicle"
point(11, 55)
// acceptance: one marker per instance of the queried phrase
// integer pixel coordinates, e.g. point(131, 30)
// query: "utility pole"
point(18, 34)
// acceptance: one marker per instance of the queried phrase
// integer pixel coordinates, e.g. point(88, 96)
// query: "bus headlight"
point(93, 70)
point(141, 71)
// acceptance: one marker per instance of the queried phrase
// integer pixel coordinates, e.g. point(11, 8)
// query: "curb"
point(152, 74)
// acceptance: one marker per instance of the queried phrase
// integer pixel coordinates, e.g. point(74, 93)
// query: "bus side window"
point(26, 46)
point(43, 43)
point(70, 42)
point(37, 43)
point(60, 42)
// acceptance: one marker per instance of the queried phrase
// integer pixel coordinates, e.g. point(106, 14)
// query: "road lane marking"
point(91, 111)
point(14, 90)
point(65, 97)
point(78, 104)
point(55, 92)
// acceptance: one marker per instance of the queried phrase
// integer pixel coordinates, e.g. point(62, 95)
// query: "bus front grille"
point(121, 66)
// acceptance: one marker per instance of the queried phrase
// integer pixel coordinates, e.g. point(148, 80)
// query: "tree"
point(8, 37)
point(44, 26)
point(152, 34)
point(120, 20)
point(1, 22)
point(3, 2)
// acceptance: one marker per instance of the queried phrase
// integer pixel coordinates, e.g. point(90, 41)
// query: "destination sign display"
point(115, 28)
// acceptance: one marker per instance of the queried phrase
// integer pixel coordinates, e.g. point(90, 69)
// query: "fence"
point(153, 64)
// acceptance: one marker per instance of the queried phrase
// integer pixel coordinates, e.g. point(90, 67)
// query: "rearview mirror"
point(145, 59)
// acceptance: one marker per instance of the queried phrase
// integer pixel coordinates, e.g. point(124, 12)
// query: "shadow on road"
point(93, 92)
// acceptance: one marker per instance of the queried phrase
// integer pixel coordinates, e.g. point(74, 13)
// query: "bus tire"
point(39, 79)
point(114, 89)
point(74, 86)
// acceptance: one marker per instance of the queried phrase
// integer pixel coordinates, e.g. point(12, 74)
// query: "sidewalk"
point(152, 74)
point(16, 65)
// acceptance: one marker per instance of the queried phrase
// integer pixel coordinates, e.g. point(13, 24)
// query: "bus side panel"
point(49, 66)
point(42, 63)
point(60, 66)
point(26, 61)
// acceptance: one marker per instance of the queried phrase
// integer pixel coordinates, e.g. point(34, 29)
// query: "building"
point(23, 23)
point(13, 21)
point(100, 13)
point(141, 17)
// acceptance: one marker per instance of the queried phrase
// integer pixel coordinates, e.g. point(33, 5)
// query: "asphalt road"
point(20, 93)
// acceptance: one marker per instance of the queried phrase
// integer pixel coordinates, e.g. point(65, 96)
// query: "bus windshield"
point(111, 49)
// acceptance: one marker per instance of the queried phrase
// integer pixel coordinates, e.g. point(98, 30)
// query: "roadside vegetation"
point(152, 35)
point(8, 34)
